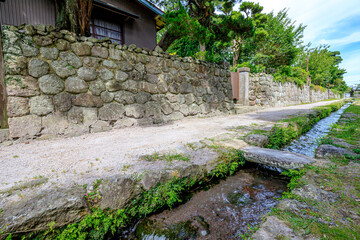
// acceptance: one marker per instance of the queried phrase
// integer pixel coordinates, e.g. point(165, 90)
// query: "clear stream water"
point(230, 207)
point(308, 142)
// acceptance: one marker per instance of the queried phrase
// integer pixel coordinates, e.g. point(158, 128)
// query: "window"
point(102, 27)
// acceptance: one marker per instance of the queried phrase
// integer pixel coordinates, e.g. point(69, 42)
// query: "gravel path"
point(98, 154)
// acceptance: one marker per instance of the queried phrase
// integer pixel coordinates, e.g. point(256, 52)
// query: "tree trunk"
point(166, 40)
point(74, 15)
point(66, 15)
point(84, 9)
point(237, 43)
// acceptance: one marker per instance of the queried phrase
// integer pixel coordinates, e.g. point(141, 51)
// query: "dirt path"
point(96, 155)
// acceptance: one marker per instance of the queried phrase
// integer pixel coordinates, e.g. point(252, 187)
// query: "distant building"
point(124, 21)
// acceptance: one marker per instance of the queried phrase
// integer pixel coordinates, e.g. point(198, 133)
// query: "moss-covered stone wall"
point(58, 83)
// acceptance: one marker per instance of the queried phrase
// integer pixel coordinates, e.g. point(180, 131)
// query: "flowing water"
point(308, 142)
point(232, 206)
point(222, 212)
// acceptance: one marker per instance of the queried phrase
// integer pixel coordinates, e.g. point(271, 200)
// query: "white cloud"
point(322, 18)
point(352, 38)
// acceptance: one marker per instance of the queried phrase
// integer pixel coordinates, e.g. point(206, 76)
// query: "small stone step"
point(276, 158)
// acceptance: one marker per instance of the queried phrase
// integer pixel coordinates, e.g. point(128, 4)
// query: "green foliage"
point(282, 43)
point(323, 66)
point(291, 74)
point(253, 68)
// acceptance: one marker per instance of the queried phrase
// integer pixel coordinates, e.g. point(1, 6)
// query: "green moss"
point(169, 157)
point(101, 224)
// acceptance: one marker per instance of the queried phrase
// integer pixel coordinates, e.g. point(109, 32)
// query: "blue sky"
point(332, 22)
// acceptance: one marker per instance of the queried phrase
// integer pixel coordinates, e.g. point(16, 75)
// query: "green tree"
point(281, 45)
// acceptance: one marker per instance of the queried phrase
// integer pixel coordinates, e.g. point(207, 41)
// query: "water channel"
point(229, 208)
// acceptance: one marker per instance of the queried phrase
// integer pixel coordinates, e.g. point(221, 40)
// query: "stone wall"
point(264, 91)
point(60, 84)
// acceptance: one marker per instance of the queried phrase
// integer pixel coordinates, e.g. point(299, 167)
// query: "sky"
point(333, 22)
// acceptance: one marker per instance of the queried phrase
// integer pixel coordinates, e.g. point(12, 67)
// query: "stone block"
point(105, 74)
point(62, 45)
point(87, 100)
point(148, 87)
point(21, 86)
point(113, 86)
point(15, 65)
point(51, 84)
point(92, 62)
point(43, 41)
point(71, 59)
point(49, 53)
point(90, 116)
point(17, 106)
point(26, 126)
point(63, 68)
point(63, 102)
point(81, 49)
point(131, 86)
point(100, 126)
point(97, 51)
point(121, 76)
point(115, 54)
point(4, 135)
point(107, 96)
point(76, 85)
point(125, 122)
point(97, 87)
point(29, 51)
point(41, 105)
point(109, 64)
point(124, 97)
point(135, 111)
point(54, 124)
point(111, 111)
point(87, 73)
